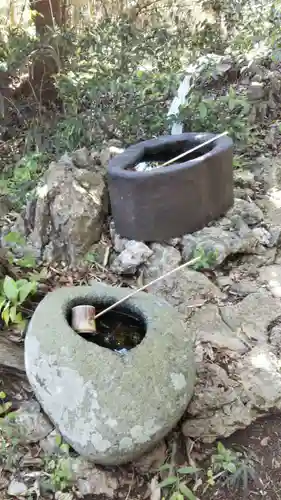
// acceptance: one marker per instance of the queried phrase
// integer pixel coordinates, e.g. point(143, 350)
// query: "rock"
point(153, 460)
point(119, 243)
point(32, 425)
point(50, 444)
point(256, 91)
point(208, 326)
point(219, 243)
point(267, 171)
point(81, 158)
point(271, 277)
point(134, 254)
point(229, 399)
point(263, 236)
point(91, 480)
point(245, 287)
point(249, 212)
point(66, 217)
point(183, 289)
point(243, 318)
point(147, 390)
point(17, 488)
point(60, 495)
point(164, 259)
point(244, 178)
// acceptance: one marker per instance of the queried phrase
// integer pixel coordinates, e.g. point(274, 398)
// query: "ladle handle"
point(199, 146)
point(189, 263)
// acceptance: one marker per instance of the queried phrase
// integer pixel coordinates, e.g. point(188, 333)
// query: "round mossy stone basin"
point(109, 407)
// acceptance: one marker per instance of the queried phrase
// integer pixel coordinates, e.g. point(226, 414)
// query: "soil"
point(262, 442)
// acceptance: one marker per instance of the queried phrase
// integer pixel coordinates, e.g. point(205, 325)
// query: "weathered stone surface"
point(270, 276)
point(67, 215)
point(123, 405)
point(134, 254)
point(90, 480)
point(249, 212)
point(152, 460)
point(182, 289)
point(17, 488)
point(118, 242)
point(219, 243)
point(32, 425)
point(227, 400)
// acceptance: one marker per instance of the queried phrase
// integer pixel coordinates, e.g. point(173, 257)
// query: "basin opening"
point(165, 152)
point(123, 327)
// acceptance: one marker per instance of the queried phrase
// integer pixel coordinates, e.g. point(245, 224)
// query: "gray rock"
point(164, 259)
point(271, 277)
point(256, 91)
point(134, 254)
point(152, 460)
point(245, 287)
point(90, 480)
point(225, 401)
point(123, 405)
point(67, 215)
point(244, 178)
point(263, 236)
point(17, 488)
point(183, 289)
point(31, 424)
point(219, 243)
point(119, 243)
point(81, 158)
point(50, 444)
point(61, 495)
point(249, 212)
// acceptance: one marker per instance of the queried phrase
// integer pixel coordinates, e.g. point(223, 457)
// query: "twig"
point(182, 266)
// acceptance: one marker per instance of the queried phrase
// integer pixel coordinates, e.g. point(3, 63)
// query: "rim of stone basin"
point(136, 153)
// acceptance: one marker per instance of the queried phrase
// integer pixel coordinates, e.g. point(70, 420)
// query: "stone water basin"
point(110, 408)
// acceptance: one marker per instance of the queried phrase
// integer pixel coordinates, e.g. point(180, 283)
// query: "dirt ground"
point(262, 441)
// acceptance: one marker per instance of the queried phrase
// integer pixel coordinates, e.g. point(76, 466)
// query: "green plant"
point(10, 440)
point(231, 467)
point(19, 181)
point(206, 261)
point(13, 294)
point(58, 468)
point(176, 483)
point(14, 239)
point(4, 404)
point(217, 113)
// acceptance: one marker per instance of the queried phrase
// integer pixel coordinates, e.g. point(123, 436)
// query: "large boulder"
point(109, 407)
point(66, 216)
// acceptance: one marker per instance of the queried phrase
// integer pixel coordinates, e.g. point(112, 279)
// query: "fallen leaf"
point(264, 441)
point(155, 491)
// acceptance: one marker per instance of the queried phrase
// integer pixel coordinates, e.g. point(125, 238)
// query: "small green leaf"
point(202, 110)
point(177, 496)
point(168, 482)
point(164, 467)
point(26, 290)
point(230, 467)
point(221, 449)
point(58, 439)
point(13, 314)
point(186, 492)
point(3, 395)
point(14, 237)
point(6, 315)
point(2, 302)
point(188, 470)
point(10, 288)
